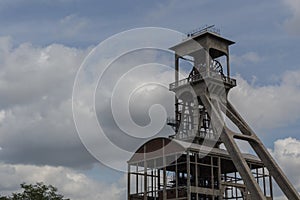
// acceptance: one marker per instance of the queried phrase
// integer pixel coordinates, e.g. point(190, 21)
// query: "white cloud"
point(29, 72)
point(287, 153)
point(292, 23)
point(70, 183)
point(2, 115)
point(71, 25)
point(269, 106)
point(249, 57)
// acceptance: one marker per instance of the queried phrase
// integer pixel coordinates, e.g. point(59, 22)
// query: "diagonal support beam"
point(274, 169)
point(241, 136)
point(233, 149)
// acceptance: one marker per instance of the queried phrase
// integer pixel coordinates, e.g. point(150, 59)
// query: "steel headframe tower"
point(198, 168)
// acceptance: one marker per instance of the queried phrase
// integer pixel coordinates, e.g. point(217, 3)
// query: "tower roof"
point(206, 40)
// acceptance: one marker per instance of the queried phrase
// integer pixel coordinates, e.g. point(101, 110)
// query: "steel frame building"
point(191, 163)
point(172, 169)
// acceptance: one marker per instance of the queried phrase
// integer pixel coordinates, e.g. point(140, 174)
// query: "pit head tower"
point(201, 160)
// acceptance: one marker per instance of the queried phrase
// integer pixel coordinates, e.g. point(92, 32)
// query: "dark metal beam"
point(233, 150)
point(261, 151)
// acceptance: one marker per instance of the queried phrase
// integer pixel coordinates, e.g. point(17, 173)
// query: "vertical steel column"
point(219, 177)
point(207, 60)
point(188, 174)
point(176, 99)
point(271, 186)
point(212, 175)
point(236, 189)
point(128, 182)
point(145, 175)
point(164, 173)
point(176, 176)
point(152, 176)
point(156, 187)
point(137, 179)
point(264, 181)
point(176, 69)
point(196, 116)
point(228, 65)
point(257, 176)
point(164, 183)
point(225, 189)
point(196, 174)
point(158, 179)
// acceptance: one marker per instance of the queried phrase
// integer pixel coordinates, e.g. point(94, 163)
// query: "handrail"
point(199, 77)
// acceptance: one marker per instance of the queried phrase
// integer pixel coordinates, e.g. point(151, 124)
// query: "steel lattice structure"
point(190, 164)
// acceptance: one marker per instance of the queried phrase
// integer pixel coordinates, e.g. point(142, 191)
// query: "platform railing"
point(202, 76)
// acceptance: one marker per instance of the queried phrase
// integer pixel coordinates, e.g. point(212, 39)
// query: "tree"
point(38, 191)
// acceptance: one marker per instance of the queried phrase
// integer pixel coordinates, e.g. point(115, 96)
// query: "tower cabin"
point(206, 50)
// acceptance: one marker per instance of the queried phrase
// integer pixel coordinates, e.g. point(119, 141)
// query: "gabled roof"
point(158, 147)
point(201, 36)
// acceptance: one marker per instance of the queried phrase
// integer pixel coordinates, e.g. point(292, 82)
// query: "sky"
point(44, 43)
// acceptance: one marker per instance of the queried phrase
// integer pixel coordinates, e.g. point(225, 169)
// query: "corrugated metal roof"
point(158, 147)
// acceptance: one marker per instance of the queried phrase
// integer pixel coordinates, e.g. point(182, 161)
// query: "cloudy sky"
point(43, 44)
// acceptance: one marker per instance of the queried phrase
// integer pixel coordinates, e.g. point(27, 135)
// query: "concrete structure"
point(191, 163)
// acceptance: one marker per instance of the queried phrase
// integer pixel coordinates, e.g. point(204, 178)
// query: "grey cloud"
point(35, 90)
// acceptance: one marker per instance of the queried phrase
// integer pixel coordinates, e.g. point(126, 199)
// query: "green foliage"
point(38, 191)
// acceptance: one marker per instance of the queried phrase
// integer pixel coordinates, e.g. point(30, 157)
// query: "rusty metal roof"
point(159, 147)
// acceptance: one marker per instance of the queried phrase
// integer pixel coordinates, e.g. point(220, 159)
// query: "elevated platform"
point(207, 77)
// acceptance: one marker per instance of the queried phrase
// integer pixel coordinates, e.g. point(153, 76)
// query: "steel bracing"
point(190, 165)
point(228, 138)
